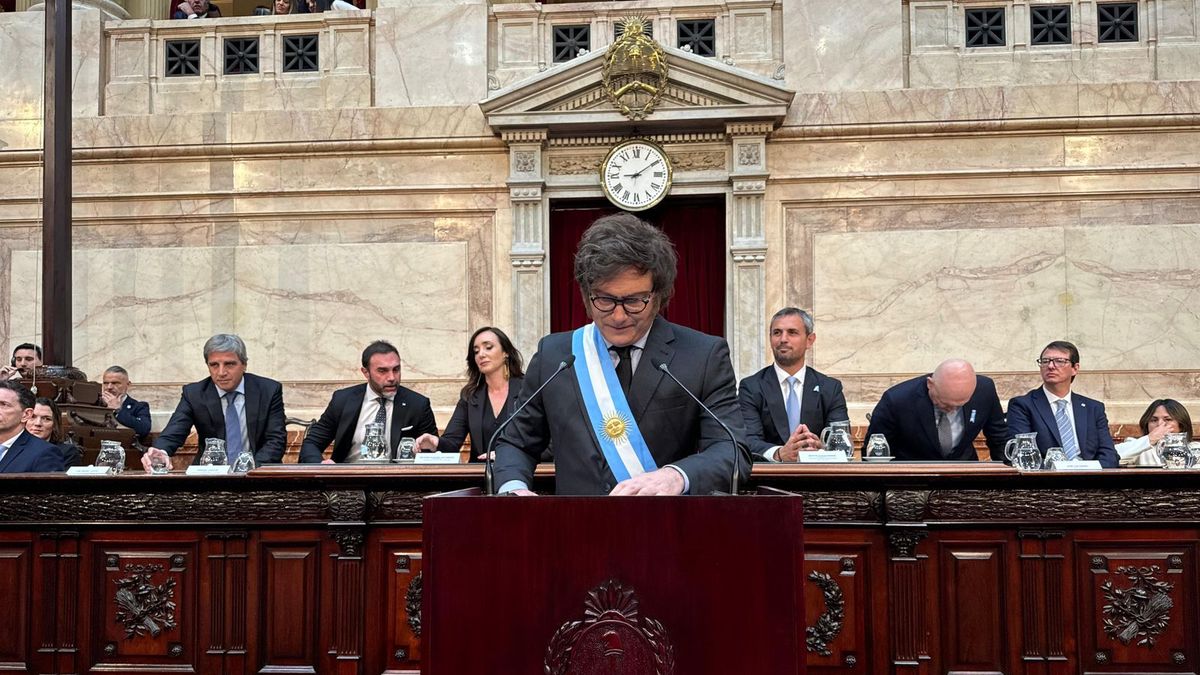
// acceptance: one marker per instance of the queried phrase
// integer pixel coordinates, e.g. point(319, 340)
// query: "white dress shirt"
point(784, 389)
point(366, 415)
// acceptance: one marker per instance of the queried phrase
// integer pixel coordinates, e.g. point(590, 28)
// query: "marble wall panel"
point(1176, 19)
point(305, 311)
point(840, 45)
point(21, 51)
point(415, 38)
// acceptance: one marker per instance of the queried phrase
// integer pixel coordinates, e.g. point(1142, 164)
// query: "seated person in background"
point(243, 409)
point(1162, 417)
point(494, 377)
point(26, 358)
point(402, 411)
point(46, 423)
point(938, 416)
point(196, 9)
point(131, 412)
point(21, 451)
point(786, 405)
point(1061, 418)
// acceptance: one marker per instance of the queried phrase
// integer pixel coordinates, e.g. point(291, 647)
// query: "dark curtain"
point(695, 225)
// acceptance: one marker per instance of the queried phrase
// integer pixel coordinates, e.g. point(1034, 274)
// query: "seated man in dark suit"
point(21, 451)
point(1060, 417)
point(938, 416)
point(131, 412)
point(243, 409)
point(403, 412)
point(786, 405)
point(618, 423)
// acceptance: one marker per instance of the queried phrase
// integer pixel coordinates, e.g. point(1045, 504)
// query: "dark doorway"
point(697, 227)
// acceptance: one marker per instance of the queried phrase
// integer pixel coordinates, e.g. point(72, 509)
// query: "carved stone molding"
point(1068, 505)
point(1140, 611)
point(525, 193)
point(144, 608)
point(525, 261)
point(747, 186)
point(412, 603)
point(524, 136)
point(754, 256)
point(904, 542)
point(748, 154)
point(216, 506)
point(661, 139)
point(907, 505)
point(697, 161)
point(613, 630)
point(347, 505)
point(749, 128)
point(524, 162)
point(575, 165)
point(829, 625)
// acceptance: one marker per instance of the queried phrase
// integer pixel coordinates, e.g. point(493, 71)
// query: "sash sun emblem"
point(615, 426)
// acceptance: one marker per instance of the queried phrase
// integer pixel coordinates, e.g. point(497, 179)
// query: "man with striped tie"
point(1060, 417)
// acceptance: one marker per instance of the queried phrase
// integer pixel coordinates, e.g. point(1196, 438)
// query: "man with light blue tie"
point(1060, 417)
point(243, 409)
point(785, 405)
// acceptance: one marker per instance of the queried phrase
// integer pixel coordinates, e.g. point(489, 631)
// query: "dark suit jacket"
point(904, 415)
point(30, 454)
point(674, 427)
point(467, 420)
point(765, 413)
point(1032, 412)
point(135, 415)
point(72, 454)
point(200, 407)
point(337, 424)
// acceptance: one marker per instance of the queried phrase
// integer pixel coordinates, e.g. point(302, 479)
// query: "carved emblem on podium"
point(613, 638)
point(829, 625)
point(635, 70)
point(1140, 611)
point(144, 608)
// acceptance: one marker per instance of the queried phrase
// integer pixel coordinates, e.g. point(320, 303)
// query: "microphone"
point(733, 478)
point(488, 461)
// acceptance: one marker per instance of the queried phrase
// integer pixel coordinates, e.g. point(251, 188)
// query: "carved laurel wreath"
point(829, 625)
point(608, 602)
point(143, 607)
point(1141, 611)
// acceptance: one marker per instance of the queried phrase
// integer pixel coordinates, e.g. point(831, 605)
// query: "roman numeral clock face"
point(636, 175)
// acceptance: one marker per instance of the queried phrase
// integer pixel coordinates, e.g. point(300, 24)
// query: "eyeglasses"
point(631, 305)
point(1060, 362)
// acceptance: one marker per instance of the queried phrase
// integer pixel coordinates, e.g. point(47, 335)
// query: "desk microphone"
point(733, 478)
point(563, 365)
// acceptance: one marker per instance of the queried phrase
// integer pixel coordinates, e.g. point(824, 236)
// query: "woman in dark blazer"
point(46, 424)
point(494, 374)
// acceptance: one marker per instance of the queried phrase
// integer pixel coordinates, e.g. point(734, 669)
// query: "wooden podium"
point(613, 585)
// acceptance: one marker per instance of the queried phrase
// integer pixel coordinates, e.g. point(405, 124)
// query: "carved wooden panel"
point(911, 586)
point(843, 573)
point(143, 611)
point(1047, 601)
point(972, 619)
point(225, 601)
point(288, 631)
point(16, 567)
point(1138, 603)
point(57, 602)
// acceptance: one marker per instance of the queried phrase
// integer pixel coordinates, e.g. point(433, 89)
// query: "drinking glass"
point(111, 455)
point(877, 447)
point(1053, 456)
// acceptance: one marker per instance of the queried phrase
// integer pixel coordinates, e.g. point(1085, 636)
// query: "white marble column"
point(530, 285)
point(748, 248)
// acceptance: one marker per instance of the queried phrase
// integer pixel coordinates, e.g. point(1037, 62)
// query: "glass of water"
point(214, 453)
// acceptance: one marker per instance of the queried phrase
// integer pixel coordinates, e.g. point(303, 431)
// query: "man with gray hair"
point(243, 409)
point(786, 404)
point(617, 422)
point(938, 416)
point(131, 412)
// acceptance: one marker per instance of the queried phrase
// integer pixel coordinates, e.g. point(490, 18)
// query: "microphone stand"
point(733, 478)
point(488, 467)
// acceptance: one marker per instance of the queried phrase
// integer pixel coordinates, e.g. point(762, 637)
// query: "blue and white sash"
point(616, 430)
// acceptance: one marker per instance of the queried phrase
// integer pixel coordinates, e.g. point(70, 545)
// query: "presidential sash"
point(612, 421)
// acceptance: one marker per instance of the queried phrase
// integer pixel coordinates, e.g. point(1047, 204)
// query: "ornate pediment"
point(700, 93)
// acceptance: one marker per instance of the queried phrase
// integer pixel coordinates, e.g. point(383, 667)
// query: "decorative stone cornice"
point(757, 128)
point(524, 136)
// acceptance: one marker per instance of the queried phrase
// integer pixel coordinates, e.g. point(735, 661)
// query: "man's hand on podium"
point(664, 481)
point(522, 493)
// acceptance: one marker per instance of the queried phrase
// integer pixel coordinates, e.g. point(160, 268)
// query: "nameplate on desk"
point(89, 471)
point(822, 457)
point(210, 470)
point(436, 458)
point(1078, 465)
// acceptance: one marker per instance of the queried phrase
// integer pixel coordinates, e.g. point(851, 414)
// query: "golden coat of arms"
point(635, 70)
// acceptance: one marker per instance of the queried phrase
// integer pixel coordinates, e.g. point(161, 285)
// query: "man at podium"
point(617, 422)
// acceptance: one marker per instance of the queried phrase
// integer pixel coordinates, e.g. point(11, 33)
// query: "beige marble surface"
point(823, 53)
point(22, 45)
point(430, 53)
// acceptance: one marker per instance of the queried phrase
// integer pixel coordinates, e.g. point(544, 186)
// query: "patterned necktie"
point(945, 433)
point(1065, 433)
point(381, 414)
point(233, 427)
point(793, 406)
point(625, 367)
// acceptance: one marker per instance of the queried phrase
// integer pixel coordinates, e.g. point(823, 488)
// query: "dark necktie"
point(945, 434)
point(381, 414)
point(624, 366)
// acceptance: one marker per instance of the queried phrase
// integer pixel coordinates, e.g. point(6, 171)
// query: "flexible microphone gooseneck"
point(733, 478)
point(489, 462)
